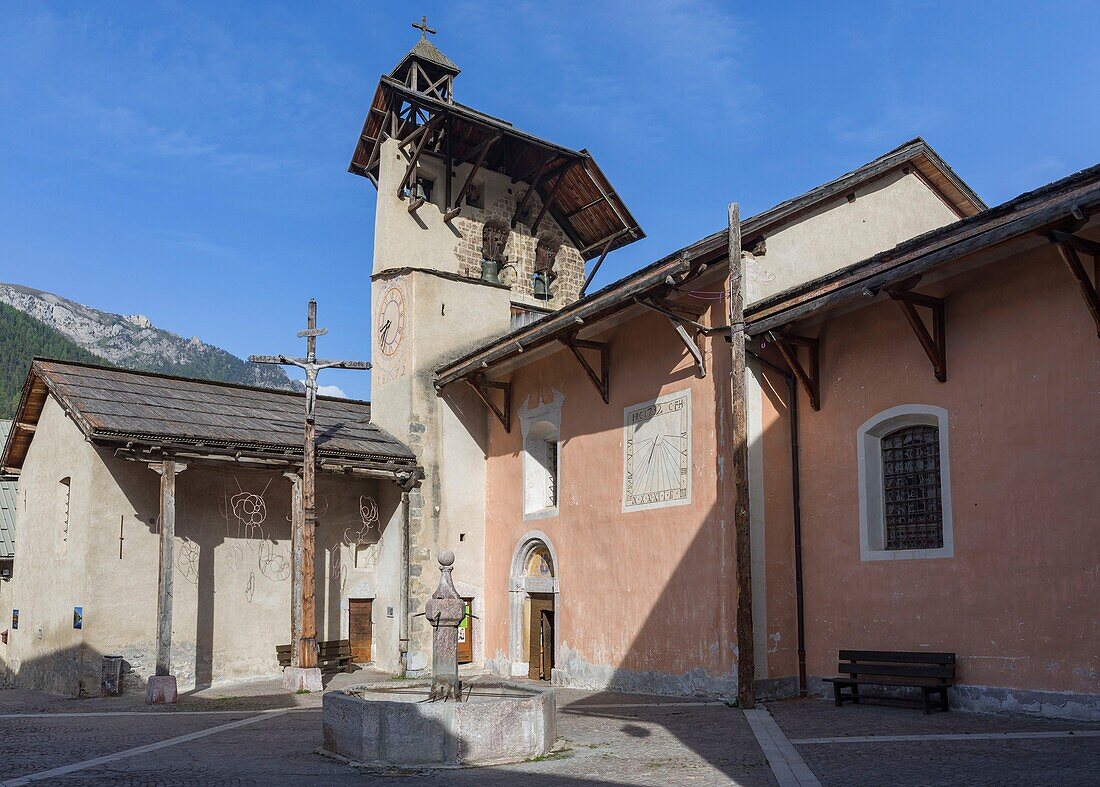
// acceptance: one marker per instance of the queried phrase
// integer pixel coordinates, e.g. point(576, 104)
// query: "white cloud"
point(331, 390)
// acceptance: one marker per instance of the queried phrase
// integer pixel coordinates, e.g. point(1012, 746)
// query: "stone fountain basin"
point(391, 724)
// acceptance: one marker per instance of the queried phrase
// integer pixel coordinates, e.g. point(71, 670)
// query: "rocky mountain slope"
point(21, 338)
point(135, 343)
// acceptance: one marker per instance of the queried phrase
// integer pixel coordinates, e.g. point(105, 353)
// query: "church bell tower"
point(479, 228)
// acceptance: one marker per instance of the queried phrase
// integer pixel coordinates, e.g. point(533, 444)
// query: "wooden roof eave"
point(229, 448)
point(599, 185)
point(28, 413)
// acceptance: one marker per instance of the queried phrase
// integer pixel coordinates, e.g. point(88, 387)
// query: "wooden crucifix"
point(304, 612)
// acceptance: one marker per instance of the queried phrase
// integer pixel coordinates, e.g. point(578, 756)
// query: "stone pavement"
point(253, 733)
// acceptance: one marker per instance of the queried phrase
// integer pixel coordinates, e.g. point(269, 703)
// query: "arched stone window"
point(541, 430)
point(540, 468)
point(904, 484)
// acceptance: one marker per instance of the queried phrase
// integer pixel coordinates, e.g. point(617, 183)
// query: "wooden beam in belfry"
point(550, 197)
point(934, 344)
point(746, 657)
point(425, 133)
point(482, 152)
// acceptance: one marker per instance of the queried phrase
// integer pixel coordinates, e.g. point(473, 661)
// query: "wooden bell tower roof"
point(415, 105)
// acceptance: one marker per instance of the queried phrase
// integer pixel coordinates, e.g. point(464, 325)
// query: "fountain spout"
point(445, 611)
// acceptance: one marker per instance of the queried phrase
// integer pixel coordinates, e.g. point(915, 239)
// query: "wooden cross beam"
point(602, 379)
point(550, 197)
point(934, 344)
point(539, 176)
point(304, 607)
point(425, 132)
point(423, 27)
point(809, 378)
point(1068, 245)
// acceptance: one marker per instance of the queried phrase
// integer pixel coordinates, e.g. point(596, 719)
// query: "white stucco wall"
point(839, 233)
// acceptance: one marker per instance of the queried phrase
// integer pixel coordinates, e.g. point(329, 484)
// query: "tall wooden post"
point(167, 472)
point(303, 615)
point(296, 543)
point(307, 644)
point(746, 661)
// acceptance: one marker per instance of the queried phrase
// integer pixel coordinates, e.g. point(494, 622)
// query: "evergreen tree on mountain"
point(22, 338)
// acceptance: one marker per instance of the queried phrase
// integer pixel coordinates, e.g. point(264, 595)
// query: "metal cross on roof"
point(423, 27)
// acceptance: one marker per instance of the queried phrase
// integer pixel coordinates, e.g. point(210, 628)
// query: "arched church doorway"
point(533, 607)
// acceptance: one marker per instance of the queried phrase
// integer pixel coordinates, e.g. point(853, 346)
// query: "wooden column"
point(307, 643)
point(167, 470)
point(746, 662)
point(297, 530)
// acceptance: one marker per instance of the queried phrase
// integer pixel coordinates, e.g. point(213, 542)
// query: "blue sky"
point(188, 160)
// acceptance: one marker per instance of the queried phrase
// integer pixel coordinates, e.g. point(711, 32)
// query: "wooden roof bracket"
point(809, 379)
point(1068, 246)
point(482, 387)
point(602, 380)
point(691, 344)
point(934, 344)
point(680, 323)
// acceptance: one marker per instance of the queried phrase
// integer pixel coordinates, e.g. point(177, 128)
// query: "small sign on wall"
point(15, 618)
point(78, 617)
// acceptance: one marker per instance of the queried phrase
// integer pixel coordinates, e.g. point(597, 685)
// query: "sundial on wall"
point(657, 452)
point(391, 321)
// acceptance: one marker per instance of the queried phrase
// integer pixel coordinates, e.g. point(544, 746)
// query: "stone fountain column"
point(445, 611)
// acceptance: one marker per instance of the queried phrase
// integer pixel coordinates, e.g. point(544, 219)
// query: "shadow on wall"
point(686, 641)
point(232, 572)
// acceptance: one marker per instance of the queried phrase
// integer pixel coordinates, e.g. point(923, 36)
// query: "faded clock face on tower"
point(391, 321)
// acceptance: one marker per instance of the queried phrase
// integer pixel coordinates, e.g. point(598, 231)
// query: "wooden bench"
point(931, 673)
point(333, 656)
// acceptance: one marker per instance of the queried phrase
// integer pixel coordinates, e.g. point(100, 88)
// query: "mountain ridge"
point(74, 331)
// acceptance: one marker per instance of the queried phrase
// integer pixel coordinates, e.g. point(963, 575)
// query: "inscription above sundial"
point(657, 453)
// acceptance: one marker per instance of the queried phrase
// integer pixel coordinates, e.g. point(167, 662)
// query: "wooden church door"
point(541, 656)
point(360, 629)
point(466, 635)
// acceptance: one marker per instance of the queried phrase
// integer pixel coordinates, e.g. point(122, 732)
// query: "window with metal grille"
point(912, 509)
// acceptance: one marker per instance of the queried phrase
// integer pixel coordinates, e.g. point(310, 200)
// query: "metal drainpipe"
point(403, 590)
point(792, 387)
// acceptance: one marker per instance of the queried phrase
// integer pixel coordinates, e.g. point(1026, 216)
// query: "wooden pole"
point(167, 472)
point(303, 616)
point(746, 662)
point(307, 645)
point(297, 530)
